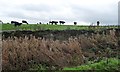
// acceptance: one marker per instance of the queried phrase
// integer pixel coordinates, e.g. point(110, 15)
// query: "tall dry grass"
point(22, 53)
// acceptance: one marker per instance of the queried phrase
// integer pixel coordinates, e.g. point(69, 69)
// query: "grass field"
point(111, 64)
point(50, 27)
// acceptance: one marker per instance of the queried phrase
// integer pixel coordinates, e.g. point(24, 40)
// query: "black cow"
point(23, 21)
point(40, 22)
point(75, 23)
point(61, 22)
point(53, 22)
point(98, 23)
point(16, 23)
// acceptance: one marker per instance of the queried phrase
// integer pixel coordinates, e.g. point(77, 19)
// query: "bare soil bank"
point(58, 34)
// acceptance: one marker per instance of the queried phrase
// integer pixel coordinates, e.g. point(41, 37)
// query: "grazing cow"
point(61, 22)
point(1, 22)
point(75, 23)
point(16, 23)
point(53, 22)
point(23, 21)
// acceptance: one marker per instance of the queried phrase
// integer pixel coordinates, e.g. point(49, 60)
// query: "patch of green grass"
point(41, 27)
point(46, 27)
point(110, 64)
point(6, 27)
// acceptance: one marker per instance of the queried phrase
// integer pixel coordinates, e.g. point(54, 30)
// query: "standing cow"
point(75, 23)
point(98, 23)
point(16, 23)
point(61, 22)
point(53, 22)
point(40, 22)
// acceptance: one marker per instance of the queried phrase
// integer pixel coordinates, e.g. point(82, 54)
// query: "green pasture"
point(50, 27)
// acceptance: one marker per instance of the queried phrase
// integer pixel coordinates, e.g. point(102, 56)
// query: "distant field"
point(50, 27)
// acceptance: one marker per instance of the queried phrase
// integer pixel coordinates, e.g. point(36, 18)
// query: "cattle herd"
point(16, 23)
point(50, 22)
point(25, 22)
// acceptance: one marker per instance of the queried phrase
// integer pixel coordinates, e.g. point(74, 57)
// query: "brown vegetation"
point(23, 52)
point(19, 53)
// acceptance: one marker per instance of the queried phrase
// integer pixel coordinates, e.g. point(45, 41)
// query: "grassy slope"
point(110, 64)
point(43, 27)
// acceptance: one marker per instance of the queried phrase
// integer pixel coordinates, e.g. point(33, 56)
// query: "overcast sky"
point(83, 11)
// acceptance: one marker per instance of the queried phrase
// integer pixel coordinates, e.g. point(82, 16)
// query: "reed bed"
point(24, 52)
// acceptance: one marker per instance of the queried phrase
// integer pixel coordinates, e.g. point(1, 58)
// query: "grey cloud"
point(41, 8)
point(16, 15)
point(46, 12)
point(89, 15)
point(51, 12)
